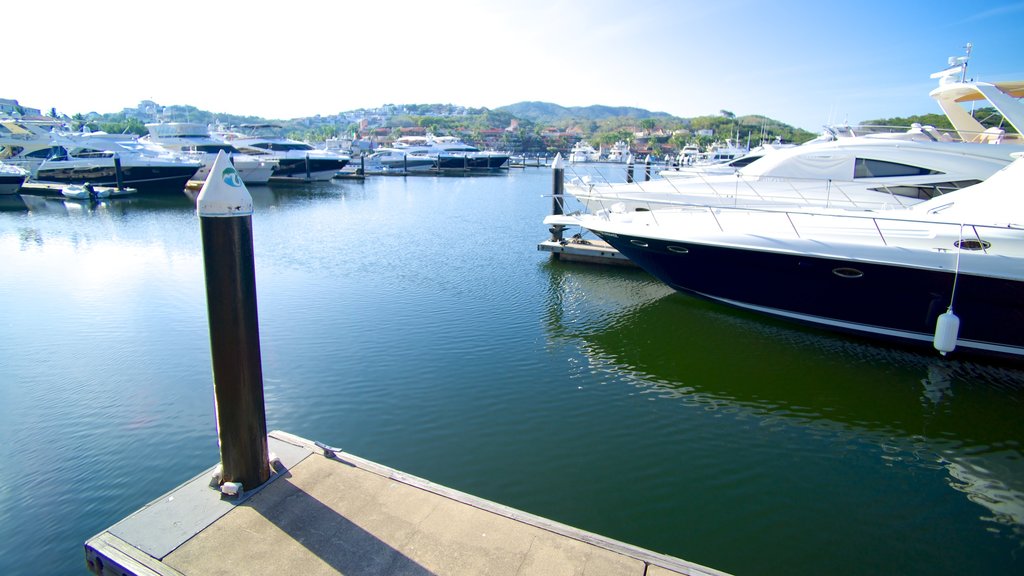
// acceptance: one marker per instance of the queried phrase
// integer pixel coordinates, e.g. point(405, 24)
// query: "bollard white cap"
point(558, 163)
point(224, 195)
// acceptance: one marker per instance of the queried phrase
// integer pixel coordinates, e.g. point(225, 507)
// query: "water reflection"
point(917, 411)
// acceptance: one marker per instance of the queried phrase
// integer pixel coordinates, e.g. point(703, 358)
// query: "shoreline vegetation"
point(530, 128)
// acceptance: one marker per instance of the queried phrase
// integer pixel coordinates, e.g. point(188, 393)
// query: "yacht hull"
point(471, 162)
point(145, 179)
point(886, 301)
point(11, 183)
point(319, 169)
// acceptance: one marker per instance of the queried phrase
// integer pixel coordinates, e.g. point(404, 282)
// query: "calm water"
point(413, 322)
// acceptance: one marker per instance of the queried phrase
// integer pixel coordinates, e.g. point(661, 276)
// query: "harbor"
point(591, 396)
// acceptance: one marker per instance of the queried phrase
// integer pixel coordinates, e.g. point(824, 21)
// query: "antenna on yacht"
point(963, 62)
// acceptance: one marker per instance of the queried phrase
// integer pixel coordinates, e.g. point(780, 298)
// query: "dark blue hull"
point(883, 301)
point(145, 179)
point(471, 162)
point(296, 167)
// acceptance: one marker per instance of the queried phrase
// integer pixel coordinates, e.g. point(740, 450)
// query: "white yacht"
point(12, 178)
point(582, 151)
point(295, 160)
point(26, 143)
point(896, 274)
point(195, 141)
point(450, 153)
point(119, 160)
point(841, 170)
point(397, 160)
point(619, 152)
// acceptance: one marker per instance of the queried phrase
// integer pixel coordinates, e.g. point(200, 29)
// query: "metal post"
point(308, 177)
point(647, 168)
point(629, 169)
point(362, 164)
point(225, 211)
point(557, 190)
point(117, 172)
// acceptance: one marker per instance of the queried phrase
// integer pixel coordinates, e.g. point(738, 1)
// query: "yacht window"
point(868, 168)
point(286, 146)
point(10, 151)
point(926, 191)
point(90, 153)
point(44, 153)
point(214, 148)
point(743, 161)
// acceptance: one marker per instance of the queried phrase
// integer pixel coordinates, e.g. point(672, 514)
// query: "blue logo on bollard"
point(231, 177)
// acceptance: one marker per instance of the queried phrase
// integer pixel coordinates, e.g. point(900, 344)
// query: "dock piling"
point(629, 169)
point(557, 190)
point(647, 168)
point(117, 172)
point(225, 211)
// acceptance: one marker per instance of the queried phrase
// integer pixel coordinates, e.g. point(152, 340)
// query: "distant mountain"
point(545, 112)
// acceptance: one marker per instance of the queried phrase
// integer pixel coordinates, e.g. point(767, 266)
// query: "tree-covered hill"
point(548, 113)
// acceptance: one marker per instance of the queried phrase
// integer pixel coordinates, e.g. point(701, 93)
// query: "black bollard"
point(308, 177)
point(629, 169)
point(362, 164)
point(557, 190)
point(647, 168)
point(117, 172)
point(225, 210)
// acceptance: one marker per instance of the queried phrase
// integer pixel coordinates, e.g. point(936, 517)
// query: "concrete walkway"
point(329, 512)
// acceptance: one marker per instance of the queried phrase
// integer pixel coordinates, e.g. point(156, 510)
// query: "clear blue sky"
point(806, 63)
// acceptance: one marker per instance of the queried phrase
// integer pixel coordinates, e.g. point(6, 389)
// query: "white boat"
point(619, 152)
point(841, 169)
point(119, 160)
point(12, 178)
point(195, 141)
point(451, 153)
point(295, 160)
point(26, 143)
point(689, 155)
point(89, 192)
point(397, 160)
point(947, 272)
point(582, 151)
point(724, 152)
point(722, 167)
point(861, 172)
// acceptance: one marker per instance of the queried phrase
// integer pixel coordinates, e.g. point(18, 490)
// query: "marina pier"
point(325, 511)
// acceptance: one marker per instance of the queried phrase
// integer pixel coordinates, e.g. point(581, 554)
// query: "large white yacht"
point(295, 160)
point(397, 160)
point(195, 141)
point(842, 170)
point(118, 160)
point(26, 143)
point(450, 153)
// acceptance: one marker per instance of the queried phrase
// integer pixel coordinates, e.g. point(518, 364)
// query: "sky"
point(805, 63)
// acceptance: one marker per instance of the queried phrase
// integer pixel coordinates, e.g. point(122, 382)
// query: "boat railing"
point(740, 190)
point(894, 230)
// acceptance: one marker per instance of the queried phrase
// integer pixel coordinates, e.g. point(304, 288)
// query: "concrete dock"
point(328, 512)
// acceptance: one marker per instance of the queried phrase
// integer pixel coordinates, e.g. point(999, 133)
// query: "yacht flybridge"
point(1003, 96)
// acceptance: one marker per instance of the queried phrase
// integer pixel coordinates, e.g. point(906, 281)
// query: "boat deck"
point(328, 512)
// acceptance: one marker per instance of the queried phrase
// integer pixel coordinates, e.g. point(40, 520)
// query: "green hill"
point(546, 112)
